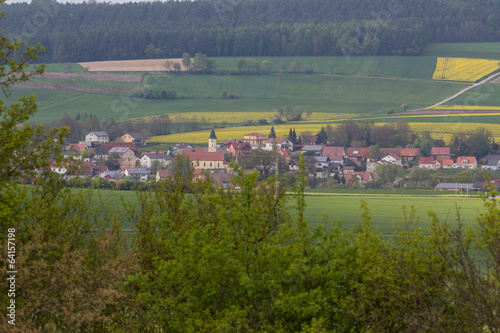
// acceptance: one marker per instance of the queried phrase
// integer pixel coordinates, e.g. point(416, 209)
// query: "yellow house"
point(203, 160)
point(138, 139)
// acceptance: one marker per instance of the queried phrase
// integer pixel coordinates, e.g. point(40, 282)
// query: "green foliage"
point(390, 174)
point(272, 134)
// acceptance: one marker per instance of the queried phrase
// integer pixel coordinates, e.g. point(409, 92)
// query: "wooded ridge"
point(86, 32)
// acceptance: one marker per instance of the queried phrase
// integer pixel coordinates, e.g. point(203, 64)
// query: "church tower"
point(212, 142)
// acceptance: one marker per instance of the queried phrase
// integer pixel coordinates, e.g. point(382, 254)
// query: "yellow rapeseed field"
point(463, 69)
point(236, 133)
point(445, 130)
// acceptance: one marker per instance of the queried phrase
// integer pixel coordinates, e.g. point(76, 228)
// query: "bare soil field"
point(143, 65)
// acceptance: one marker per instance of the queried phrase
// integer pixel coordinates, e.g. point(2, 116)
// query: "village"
point(119, 161)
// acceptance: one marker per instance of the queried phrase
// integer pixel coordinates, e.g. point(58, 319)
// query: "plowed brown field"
point(143, 65)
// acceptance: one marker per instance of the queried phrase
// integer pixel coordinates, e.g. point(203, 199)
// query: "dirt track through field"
point(144, 65)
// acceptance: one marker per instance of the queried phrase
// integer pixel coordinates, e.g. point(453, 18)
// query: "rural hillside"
point(311, 166)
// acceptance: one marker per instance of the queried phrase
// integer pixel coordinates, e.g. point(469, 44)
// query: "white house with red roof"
point(447, 163)
point(363, 176)
point(441, 153)
point(465, 162)
point(278, 143)
point(428, 163)
point(358, 154)
point(335, 154)
point(410, 154)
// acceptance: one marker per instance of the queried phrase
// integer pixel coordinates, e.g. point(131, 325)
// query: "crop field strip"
point(464, 50)
point(439, 130)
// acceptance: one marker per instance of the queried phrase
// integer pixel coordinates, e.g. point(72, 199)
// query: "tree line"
point(88, 32)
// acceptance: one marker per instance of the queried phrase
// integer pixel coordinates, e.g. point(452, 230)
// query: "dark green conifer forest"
point(91, 32)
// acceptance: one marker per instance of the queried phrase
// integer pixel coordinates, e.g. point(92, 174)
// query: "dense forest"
point(98, 31)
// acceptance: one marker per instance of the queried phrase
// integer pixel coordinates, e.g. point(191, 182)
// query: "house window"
point(210, 163)
point(204, 163)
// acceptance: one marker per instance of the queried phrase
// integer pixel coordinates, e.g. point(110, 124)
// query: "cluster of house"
point(322, 160)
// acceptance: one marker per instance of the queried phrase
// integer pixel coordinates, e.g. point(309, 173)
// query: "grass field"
point(321, 93)
point(388, 66)
point(341, 88)
point(385, 206)
point(486, 95)
point(464, 50)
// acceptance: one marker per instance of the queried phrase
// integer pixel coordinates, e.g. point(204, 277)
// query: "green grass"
point(66, 67)
point(484, 95)
point(464, 50)
point(385, 206)
point(405, 67)
point(332, 94)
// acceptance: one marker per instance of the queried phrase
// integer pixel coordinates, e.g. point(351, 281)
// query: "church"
point(210, 158)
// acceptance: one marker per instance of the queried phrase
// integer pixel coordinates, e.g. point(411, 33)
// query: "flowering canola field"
point(463, 69)
point(236, 133)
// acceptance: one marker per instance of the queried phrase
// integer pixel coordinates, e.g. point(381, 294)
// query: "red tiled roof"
point(357, 152)
point(426, 160)
point(202, 156)
point(276, 140)
point(77, 146)
point(240, 145)
point(363, 176)
point(162, 173)
point(470, 159)
point(390, 151)
point(282, 152)
point(447, 162)
point(410, 152)
point(332, 151)
point(440, 151)
point(256, 134)
point(397, 157)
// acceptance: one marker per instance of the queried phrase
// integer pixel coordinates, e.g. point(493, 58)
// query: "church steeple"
point(212, 142)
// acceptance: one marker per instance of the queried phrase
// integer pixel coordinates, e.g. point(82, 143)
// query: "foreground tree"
point(67, 259)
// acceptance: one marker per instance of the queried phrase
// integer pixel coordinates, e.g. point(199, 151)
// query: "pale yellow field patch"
point(142, 65)
point(463, 69)
point(438, 115)
point(445, 130)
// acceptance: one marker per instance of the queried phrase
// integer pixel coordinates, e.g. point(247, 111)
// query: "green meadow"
point(388, 66)
point(464, 50)
point(369, 87)
point(485, 95)
point(384, 206)
point(320, 93)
